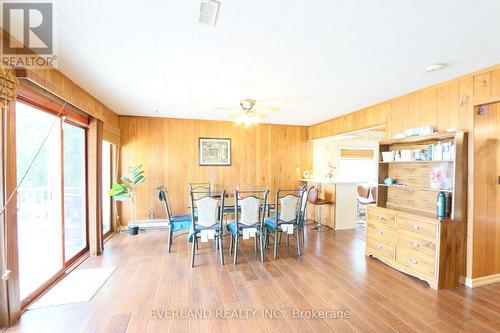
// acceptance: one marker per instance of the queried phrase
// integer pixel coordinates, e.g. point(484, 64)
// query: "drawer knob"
point(415, 244)
point(415, 226)
point(379, 247)
point(380, 218)
point(380, 232)
point(413, 261)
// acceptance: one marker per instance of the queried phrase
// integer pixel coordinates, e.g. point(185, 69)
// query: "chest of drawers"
point(429, 249)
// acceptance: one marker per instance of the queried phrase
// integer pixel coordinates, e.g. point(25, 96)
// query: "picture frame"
point(214, 151)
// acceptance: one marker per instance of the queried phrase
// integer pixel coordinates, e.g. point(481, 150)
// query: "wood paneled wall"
point(446, 105)
point(275, 155)
point(366, 118)
point(487, 191)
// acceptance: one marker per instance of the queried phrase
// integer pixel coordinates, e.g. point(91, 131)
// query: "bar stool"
point(314, 199)
point(363, 199)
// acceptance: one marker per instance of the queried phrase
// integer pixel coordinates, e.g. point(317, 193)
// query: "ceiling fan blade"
point(231, 109)
point(260, 115)
point(263, 108)
point(235, 115)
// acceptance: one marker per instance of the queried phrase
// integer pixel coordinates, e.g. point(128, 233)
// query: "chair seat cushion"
point(228, 210)
point(270, 223)
point(366, 201)
point(180, 225)
point(177, 218)
point(198, 229)
point(231, 226)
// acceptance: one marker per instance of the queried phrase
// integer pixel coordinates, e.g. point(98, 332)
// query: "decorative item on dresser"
point(403, 229)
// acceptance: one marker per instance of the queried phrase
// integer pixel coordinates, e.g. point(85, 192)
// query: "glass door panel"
point(75, 210)
point(39, 221)
point(106, 185)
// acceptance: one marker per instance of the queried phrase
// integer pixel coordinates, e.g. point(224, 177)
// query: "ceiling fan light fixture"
point(435, 67)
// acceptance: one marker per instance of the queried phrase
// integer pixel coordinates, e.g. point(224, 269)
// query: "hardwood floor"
point(332, 275)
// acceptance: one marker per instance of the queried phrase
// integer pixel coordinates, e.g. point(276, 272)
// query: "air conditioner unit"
point(209, 9)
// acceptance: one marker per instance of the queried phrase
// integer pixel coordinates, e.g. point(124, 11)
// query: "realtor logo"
point(29, 40)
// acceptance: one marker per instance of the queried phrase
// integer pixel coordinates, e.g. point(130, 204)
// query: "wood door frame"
point(10, 215)
point(107, 235)
point(79, 254)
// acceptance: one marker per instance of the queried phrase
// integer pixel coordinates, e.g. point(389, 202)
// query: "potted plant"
point(126, 190)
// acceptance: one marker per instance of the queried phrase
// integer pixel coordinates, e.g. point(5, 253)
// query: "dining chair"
point(303, 211)
point(287, 218)
point(249, 212)
point(199, 188)
point(207, 211)
point(314, 199)
point(175, 222)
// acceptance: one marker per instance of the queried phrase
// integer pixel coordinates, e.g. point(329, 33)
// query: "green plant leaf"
point(139, 180)
point(117, 189)
point(125, 179)
point(121, 197)
point(138, 174)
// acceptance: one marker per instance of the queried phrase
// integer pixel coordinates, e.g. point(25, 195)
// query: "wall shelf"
point(417, 162)
point(414, 188)
point(416, 175)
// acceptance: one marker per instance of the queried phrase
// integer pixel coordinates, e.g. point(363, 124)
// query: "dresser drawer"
point(414, 242)
point(382, 215)
point(379, 231)
point(417, 226)
point(380, 248)
point(417, 263)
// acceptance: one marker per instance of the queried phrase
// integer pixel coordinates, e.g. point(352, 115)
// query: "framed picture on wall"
point(214, 151)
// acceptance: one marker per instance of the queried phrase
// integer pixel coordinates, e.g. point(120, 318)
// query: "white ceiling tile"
point(319, 58)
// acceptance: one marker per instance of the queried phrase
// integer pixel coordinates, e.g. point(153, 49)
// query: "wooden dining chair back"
point(207, 213)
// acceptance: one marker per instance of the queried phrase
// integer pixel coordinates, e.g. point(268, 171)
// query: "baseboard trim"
point(482, 281)
point(148, 224)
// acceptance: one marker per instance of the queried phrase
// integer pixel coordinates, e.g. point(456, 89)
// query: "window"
point(357, 164)
point(106, 185)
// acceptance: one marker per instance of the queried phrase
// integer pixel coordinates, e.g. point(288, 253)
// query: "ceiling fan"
point(250, 112)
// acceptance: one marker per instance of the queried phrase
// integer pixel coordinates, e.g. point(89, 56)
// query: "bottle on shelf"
point(430, 151)
point(441, 205)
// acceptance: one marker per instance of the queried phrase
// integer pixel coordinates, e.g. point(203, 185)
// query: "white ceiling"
point(314, 59)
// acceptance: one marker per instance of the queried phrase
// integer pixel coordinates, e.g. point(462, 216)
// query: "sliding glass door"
point(106, 185)
point(75, 193)
point(39, 197)
point(52, 196)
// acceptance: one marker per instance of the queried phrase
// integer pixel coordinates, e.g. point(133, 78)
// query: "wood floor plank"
point(333, 274)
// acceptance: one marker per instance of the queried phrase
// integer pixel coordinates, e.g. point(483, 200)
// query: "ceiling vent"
point(209, 9)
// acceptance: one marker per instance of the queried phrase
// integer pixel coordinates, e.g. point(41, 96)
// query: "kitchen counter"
point(341, 213)
point(330, 181)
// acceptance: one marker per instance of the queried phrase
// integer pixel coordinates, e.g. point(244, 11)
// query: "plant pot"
point(133, 229)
